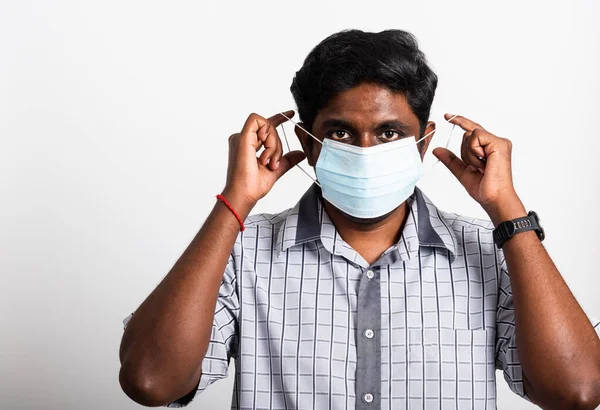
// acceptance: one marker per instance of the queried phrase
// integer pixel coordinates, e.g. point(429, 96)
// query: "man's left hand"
point(484, 170)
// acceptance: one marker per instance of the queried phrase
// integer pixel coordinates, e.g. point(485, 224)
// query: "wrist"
point(507, 208)
point(239, 202)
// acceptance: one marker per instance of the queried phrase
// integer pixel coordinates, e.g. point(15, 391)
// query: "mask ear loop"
point(288, 145)
point(320, 142)
point(447, 141)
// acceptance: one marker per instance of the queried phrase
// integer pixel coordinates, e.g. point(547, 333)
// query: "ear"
point(423, 145)
point(308, 145)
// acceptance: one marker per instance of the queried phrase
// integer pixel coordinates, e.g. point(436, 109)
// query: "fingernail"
point(480, 170)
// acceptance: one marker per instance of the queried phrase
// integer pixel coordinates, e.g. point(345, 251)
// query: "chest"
point(308, 321)
point(430, 291)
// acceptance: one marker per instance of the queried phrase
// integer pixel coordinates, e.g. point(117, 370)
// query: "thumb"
point(288, 161)
point(468, 176)
point(452, 162)
point(444, 155)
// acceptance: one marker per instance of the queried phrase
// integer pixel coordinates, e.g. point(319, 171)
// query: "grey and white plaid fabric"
point(311, 325)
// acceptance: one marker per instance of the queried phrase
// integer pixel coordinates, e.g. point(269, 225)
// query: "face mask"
point(367, 182)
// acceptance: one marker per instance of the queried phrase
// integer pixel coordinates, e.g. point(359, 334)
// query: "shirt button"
point(368, 397)
point(369, 333)
point(370, 274)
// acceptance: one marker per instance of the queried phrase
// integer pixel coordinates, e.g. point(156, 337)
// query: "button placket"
point(368, 381)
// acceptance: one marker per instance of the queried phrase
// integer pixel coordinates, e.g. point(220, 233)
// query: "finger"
point(261, 127)
point(253, 123)
point(475, 144)
point(486, 144)
point(262, 134)
point(279, 119)
point(279, 153)
point(466, 174)
point(471, 151)
point(463, 122)
point(272, 145)
point(288, 161)
point(276, 157)
point(233, 138)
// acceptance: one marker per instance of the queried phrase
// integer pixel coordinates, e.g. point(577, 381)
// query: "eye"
point(337, 134)
point(390, 135)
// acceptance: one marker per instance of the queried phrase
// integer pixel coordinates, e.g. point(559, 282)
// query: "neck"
point(370, 240)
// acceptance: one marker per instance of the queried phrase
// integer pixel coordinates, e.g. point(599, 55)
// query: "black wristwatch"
point(508, 229)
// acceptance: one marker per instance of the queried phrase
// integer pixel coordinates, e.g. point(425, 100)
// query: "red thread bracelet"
point(222, 199)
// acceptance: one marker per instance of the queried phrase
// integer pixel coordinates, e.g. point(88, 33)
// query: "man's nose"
point(365, 140)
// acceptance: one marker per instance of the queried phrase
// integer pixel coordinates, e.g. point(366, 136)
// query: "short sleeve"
point(224, 336)
point(507, 358)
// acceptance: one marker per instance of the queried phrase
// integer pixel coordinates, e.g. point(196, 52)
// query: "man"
point(364, 295)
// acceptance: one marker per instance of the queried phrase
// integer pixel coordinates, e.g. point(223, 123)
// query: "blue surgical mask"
point(368, 182)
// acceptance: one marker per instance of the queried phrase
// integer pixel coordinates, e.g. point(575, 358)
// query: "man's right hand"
point(250, 178)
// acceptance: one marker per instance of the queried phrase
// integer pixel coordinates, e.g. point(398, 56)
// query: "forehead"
point(367, 104)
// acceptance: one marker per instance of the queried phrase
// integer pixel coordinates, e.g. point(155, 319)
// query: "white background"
point(114, 118)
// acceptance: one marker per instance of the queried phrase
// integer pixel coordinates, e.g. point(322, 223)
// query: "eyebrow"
point(338, 123)
point(393, 124)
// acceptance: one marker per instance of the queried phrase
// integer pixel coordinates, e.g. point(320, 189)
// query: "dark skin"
point(365, 116)
point(164, 344)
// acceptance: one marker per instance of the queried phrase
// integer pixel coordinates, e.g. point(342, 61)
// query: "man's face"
point(365, 116)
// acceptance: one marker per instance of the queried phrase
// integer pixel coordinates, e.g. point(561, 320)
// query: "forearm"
point(165, 341)
point(557, 346)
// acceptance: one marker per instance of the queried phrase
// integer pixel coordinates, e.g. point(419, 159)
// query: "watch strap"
point(508, 229)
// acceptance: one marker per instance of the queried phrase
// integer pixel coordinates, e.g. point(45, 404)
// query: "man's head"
point(364, 89)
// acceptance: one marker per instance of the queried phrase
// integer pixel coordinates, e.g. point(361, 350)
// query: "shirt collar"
point(308, 221)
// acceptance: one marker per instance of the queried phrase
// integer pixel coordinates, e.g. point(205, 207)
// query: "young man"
point(364, 295)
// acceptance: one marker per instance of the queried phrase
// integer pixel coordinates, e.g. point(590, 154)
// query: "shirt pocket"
point(451, 368)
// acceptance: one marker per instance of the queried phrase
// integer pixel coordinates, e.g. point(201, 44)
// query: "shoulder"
point(460, 227)
point(459, 222)
point(469, 230)
point(266, 220)
point(262, 230)
point(261, 236)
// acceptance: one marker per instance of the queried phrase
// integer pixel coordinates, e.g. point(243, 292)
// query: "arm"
point(554, 335)
point(557, 346)
point(166, 339)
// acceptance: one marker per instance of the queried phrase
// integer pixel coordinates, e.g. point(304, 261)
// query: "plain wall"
point(114, 118)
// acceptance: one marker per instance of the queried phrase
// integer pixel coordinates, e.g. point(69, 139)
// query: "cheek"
point(315, 152)
point(422, 149)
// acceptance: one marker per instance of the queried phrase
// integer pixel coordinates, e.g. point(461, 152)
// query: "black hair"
point(346, 59)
